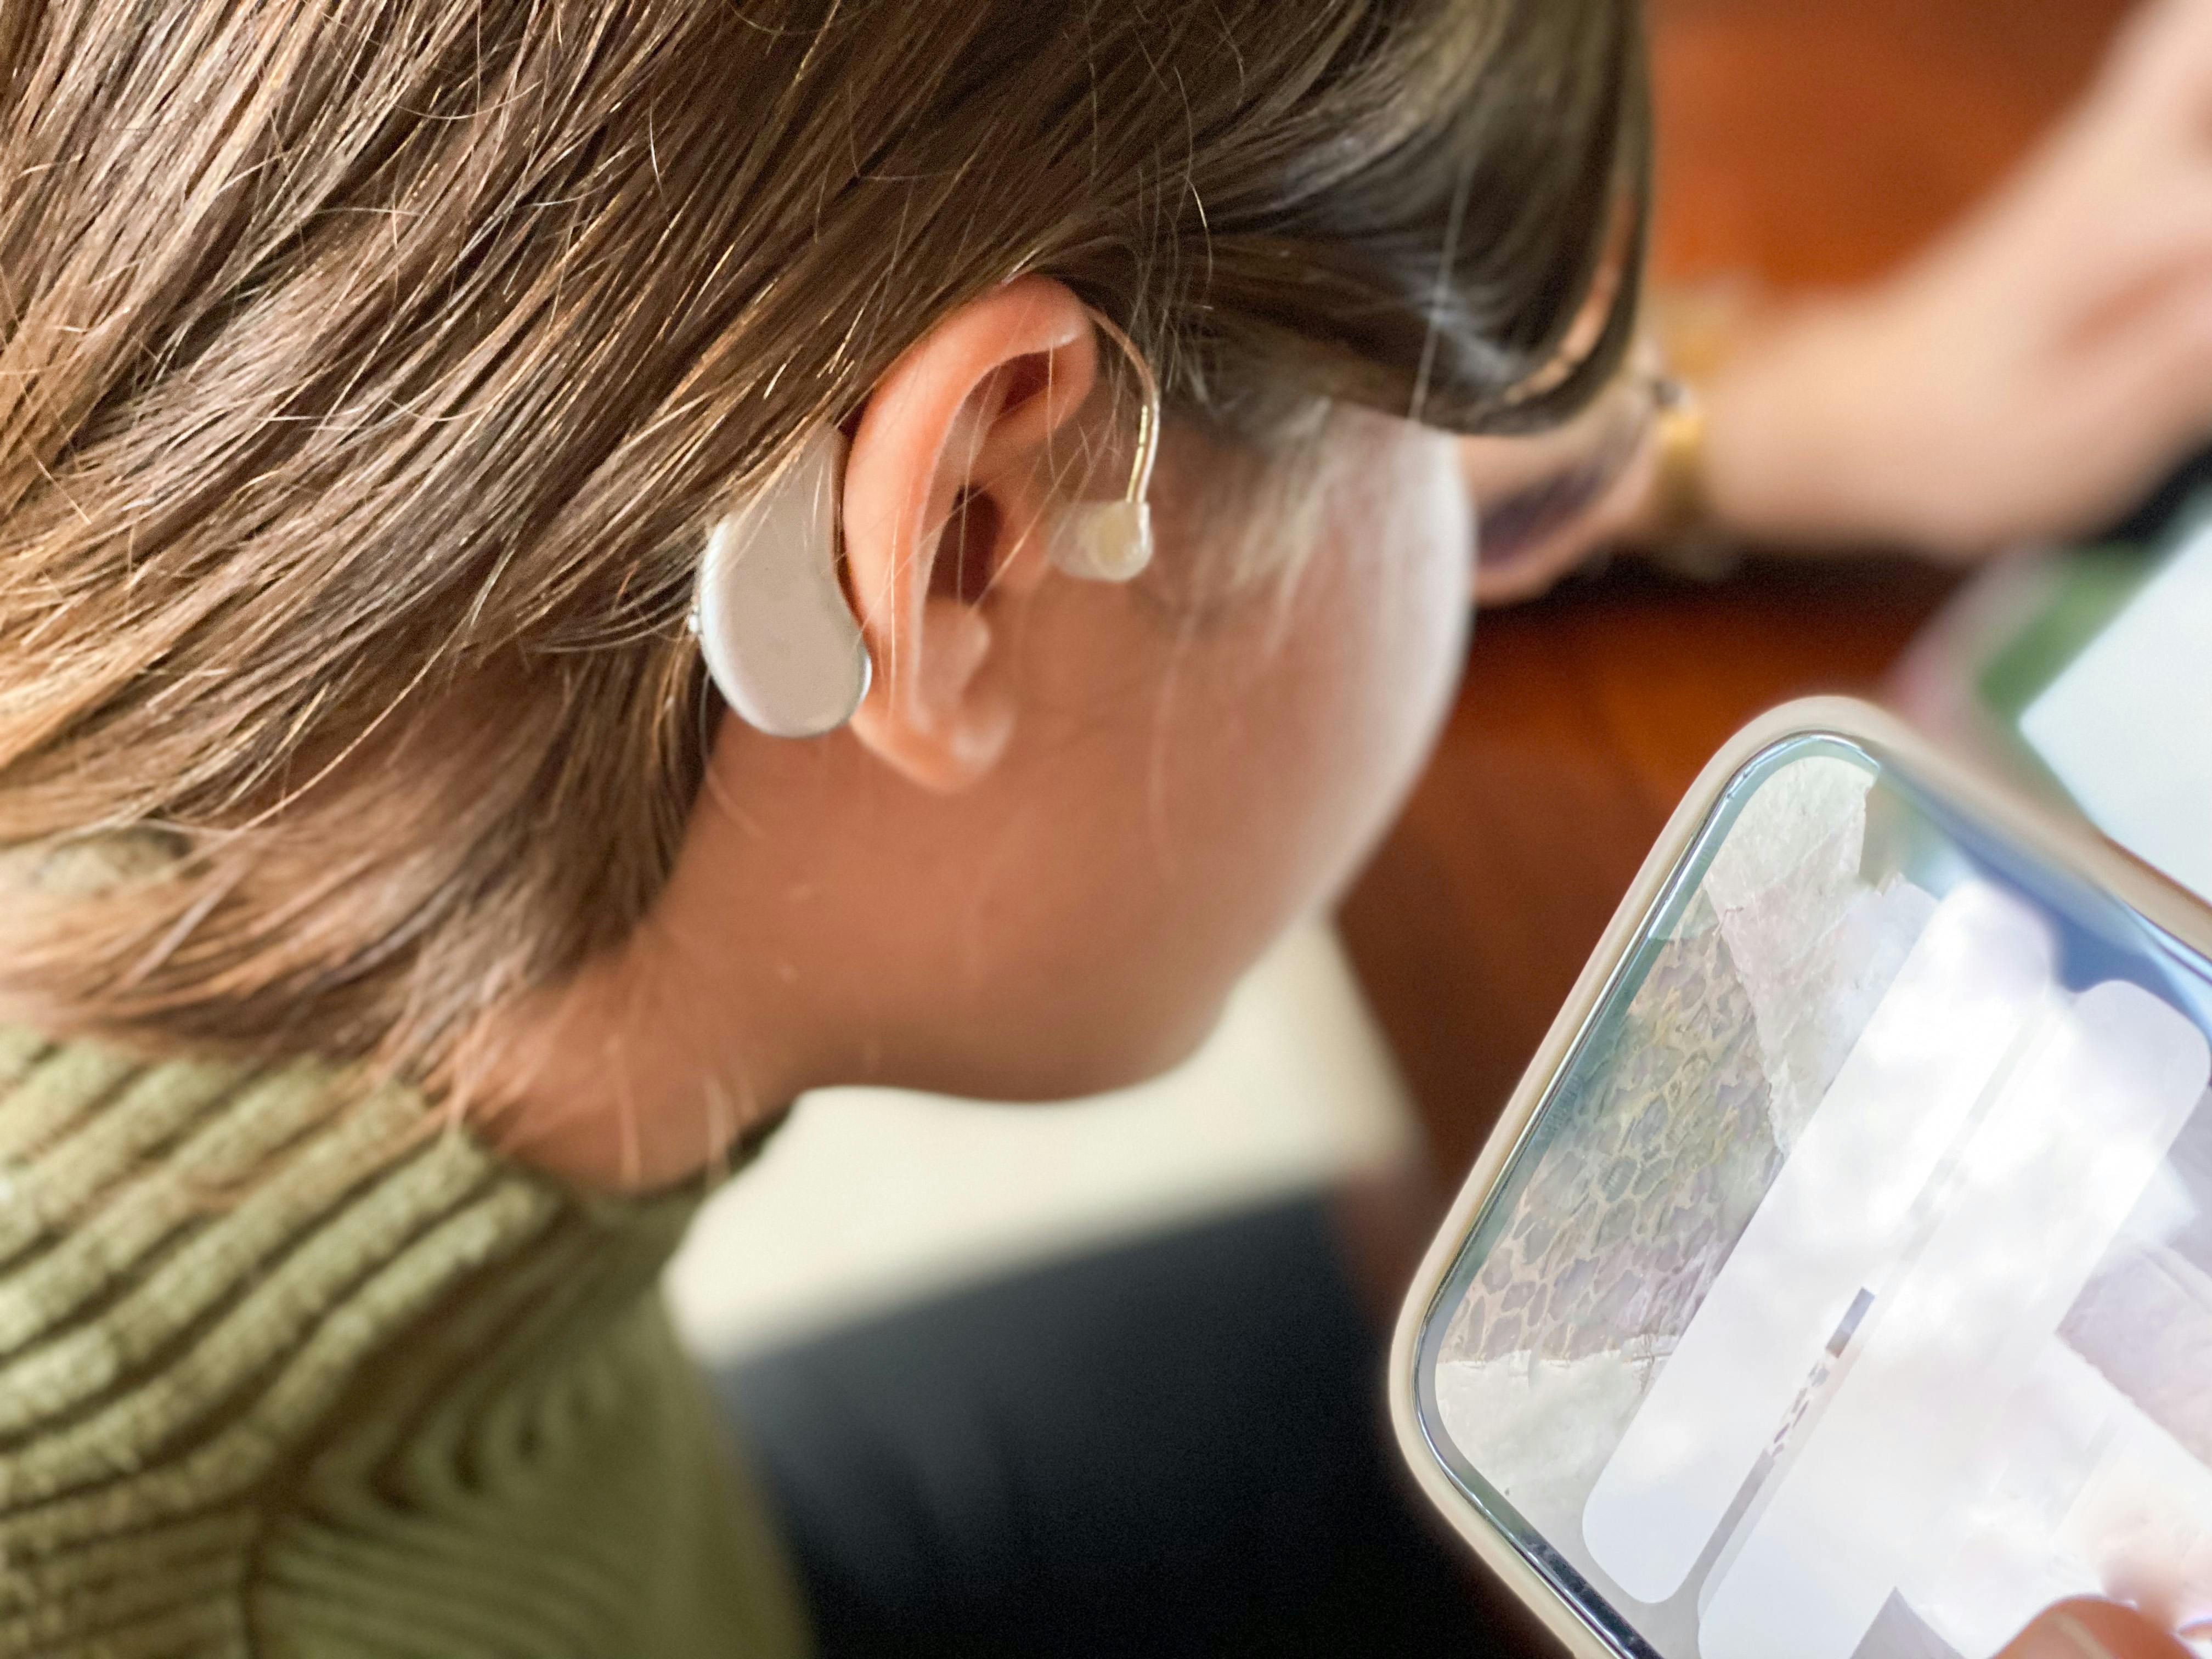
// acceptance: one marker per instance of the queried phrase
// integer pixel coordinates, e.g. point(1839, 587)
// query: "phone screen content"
point(1850, 1296)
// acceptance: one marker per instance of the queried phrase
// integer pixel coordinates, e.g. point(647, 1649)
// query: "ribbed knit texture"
point(281, 1375)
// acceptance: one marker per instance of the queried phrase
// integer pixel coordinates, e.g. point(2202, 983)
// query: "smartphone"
point(1838, 1284)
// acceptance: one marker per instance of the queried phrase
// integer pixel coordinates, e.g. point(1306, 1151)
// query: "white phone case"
point(2062, 844)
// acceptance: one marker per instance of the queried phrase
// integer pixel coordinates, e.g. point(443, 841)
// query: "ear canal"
point(1103, 541)
point(774, 625)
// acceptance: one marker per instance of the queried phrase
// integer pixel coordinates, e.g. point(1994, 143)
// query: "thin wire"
point(1148, 415)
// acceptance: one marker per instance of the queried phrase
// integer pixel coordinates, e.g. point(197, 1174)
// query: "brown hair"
point(370, 371)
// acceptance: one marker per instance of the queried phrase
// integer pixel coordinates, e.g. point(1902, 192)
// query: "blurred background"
point(1805, 145)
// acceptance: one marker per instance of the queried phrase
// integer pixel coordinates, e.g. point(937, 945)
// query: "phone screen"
point(2122, 726)
point(1850, 1292)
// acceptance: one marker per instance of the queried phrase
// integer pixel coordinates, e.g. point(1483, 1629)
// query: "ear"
point(945, 495)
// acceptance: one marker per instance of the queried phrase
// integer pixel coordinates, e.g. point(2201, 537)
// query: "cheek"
point(1139, 860)
point(1290, 737)
point(1347, 703)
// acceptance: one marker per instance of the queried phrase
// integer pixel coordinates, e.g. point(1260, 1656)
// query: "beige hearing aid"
point(773, 623)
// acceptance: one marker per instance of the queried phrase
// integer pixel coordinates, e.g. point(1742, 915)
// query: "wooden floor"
point(1803, 143)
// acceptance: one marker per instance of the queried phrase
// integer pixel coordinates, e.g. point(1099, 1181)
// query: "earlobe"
point(957, 716)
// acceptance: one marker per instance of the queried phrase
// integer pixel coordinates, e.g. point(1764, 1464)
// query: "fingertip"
point(2088, 1628)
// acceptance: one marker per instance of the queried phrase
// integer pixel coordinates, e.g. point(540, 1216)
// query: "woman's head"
point(1067, 815)
point(373, 371)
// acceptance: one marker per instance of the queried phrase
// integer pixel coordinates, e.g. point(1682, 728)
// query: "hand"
point(2029, 375)
point(2089, 1629)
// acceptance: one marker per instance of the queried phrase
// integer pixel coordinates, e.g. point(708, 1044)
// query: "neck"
point(629, 1080)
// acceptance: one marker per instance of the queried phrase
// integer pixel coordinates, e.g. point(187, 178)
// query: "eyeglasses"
point(1542, 501)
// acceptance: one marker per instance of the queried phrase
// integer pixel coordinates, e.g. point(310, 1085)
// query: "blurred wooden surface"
point(1815, 142)
point(1803, 143)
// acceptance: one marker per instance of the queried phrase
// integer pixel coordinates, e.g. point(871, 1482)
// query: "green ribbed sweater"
point(280, 1374)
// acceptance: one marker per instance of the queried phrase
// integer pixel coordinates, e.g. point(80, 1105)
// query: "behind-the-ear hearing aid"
point(771, 615)
point(773, 624)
